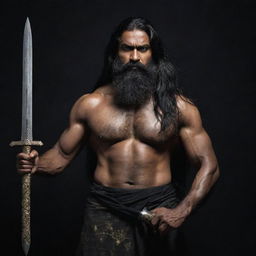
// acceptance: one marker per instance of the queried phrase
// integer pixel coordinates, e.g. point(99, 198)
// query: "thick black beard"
point(134, 83)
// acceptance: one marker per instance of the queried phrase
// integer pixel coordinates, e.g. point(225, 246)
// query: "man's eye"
point(143, 48)
point(125, 48)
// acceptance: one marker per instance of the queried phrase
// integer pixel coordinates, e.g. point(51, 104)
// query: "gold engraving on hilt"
point(26, 208)
point(26, 178)
point(25, 201)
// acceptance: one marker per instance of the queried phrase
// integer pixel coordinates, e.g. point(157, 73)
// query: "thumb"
point(33, 154)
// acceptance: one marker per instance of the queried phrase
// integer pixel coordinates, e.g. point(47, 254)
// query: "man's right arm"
point(57, 158)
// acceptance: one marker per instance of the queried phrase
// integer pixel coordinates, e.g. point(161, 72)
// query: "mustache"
point(120, 68)
point(134, 82)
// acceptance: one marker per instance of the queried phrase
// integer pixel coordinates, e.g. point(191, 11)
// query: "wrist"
point(185, 206)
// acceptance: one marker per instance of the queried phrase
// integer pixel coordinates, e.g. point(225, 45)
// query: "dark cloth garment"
point(112, 223)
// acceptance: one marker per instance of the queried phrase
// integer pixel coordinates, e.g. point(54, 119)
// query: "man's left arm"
point(199, 149)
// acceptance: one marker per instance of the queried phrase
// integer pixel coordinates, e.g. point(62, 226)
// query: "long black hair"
point(166, 91)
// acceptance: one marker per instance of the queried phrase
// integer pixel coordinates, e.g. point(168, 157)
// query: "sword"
point(26, 133)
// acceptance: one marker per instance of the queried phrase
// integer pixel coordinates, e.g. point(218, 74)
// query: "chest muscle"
point(113, 126)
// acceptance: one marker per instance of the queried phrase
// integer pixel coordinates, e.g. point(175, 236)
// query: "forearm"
point(53, 161)
point(203, 182)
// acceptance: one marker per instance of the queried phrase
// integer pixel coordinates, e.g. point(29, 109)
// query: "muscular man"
point(133, 121)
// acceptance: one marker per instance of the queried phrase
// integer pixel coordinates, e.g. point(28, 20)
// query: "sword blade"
point(26, 130)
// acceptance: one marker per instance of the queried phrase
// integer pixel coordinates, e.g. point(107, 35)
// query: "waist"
point(132, 179)
point(137, 199)
point(117, 191)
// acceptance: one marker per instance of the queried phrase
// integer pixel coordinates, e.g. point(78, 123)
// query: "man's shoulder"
point(184, 103)
point(188, 111)
point(91, 101)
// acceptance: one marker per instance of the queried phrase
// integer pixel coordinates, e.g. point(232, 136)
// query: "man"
point(133, 122)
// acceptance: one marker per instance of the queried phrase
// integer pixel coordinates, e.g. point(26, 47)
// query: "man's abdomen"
point(132, 164)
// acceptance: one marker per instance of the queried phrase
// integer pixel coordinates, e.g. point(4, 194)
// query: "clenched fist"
point(27, 163)
point(165, 218)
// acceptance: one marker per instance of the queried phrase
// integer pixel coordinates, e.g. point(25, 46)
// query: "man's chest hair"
point(114, 125)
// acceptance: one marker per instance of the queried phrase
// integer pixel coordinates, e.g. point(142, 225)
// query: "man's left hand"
point(166, 218)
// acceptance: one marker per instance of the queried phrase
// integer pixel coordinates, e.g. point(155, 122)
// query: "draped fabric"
point(113, 227)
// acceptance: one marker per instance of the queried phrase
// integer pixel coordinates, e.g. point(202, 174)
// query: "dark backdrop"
point(210, 42)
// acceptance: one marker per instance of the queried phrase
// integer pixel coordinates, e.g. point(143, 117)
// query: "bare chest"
point(113, 125)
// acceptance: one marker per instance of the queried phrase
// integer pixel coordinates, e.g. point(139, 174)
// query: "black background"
point(211, 44)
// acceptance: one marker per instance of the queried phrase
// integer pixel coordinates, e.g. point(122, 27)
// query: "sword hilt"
point(25, 201)
point(146, 215)
point(26, 143)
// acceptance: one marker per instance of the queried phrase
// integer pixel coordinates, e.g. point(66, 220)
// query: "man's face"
point(134, 46)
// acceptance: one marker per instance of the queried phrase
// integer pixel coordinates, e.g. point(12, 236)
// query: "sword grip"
point(25, 201)
point(26, 237)
point(26, 149)
point(26, 181)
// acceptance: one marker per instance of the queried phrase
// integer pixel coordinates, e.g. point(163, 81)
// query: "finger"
point(33, 169)
point(24, 171)
point(25, 166)
point(24, 162)
point(155, 211)
point(23, 156)
point(158, 210)
point(155, 220)
point(21, 162)
point(163, 227)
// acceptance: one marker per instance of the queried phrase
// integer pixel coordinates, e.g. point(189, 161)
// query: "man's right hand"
point(27, 163)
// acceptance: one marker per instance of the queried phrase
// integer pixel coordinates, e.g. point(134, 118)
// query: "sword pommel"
point(146, 215)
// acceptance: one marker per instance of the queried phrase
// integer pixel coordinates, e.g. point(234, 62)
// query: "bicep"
point(74, 136)
point(195, 139)
point(71, 139)
point(197, 145)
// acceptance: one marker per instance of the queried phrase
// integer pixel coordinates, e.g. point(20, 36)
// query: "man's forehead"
point(134, 37)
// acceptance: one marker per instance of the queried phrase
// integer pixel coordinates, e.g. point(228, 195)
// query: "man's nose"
point(134, 57)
